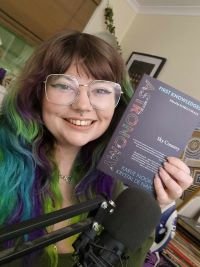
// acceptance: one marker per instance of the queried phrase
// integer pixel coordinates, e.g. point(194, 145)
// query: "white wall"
point(123, 18)
point(175, 37)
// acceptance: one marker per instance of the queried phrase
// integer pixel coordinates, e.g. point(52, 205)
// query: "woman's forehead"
point(79, 72)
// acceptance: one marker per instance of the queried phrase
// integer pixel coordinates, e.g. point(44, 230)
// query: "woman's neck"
point(65, 156)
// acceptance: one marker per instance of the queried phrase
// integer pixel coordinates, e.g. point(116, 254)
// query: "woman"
point(54, 126)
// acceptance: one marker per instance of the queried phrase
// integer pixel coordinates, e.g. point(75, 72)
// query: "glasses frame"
point(78, 90)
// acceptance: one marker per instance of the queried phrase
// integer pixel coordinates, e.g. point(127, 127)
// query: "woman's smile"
point(80, 124)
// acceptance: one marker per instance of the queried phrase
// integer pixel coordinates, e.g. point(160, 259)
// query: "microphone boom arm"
point(10, 254)
point(89, 224)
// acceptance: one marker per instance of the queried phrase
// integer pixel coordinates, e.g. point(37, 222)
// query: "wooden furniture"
point(37, 20)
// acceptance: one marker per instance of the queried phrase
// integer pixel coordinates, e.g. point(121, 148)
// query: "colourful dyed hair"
point(28, 172)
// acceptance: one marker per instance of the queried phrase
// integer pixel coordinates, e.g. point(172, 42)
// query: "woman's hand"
point(172, 179)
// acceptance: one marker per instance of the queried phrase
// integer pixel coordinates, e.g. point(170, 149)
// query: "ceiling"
point(175, 7)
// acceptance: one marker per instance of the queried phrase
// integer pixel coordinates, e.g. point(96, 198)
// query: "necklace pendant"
point(66, 178)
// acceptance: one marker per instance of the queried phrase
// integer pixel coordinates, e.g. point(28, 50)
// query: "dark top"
point(66, 260)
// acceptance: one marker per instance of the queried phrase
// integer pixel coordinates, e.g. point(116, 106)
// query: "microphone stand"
point(16, 230)
point(9, 232)
point(13, 253)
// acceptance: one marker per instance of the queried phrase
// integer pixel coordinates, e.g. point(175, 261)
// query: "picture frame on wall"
point(197, 177)
point(140, 63)
point(191, 156)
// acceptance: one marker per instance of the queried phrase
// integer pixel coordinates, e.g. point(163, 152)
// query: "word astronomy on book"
point(157, 123)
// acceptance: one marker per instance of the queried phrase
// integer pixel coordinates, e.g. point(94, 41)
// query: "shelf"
point(190, 225)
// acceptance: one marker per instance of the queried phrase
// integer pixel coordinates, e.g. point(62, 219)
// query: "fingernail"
point(166, 158)
point(160, 169)
point(165, 164)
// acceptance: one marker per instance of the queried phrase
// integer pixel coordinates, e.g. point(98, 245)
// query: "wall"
point(175, 37)
point(123, 18)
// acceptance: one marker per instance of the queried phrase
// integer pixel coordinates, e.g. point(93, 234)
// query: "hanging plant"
point(108, 14)
point(109, 22)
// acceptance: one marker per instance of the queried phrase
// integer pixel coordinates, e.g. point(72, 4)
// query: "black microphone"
point(135, 217)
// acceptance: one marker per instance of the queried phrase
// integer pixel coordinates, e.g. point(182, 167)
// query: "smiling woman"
point(64, 112)
point(57, 121)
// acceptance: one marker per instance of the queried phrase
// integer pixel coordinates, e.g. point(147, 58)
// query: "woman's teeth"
point(81, 122)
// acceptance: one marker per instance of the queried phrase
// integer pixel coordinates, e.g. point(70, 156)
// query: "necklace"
point(66, 178)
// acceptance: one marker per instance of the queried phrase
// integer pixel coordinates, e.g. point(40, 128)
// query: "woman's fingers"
point(179, 171)
point(179, 164)
point(171, 180)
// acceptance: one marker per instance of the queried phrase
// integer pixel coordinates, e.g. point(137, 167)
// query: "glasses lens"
point(61, 89)
point(104, 94)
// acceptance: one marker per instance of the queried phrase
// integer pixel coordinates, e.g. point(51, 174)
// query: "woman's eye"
point(62, 86)
point(102, 91)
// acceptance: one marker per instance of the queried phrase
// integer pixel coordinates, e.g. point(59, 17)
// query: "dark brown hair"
point(55, 55)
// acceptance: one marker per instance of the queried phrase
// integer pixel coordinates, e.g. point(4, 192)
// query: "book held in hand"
point(157, 123)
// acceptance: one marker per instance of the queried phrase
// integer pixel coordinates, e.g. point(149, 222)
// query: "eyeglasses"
point(62, 89)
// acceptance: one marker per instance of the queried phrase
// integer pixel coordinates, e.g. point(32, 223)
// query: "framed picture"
point(140, 63)
point(197, 177)
point(191, 156)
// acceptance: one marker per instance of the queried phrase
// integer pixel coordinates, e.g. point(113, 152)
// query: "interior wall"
point(175, 37)
point(123, 18)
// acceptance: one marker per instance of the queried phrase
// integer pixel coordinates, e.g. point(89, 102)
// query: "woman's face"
point(78, 123)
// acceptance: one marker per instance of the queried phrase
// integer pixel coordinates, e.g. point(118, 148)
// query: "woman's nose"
point(82, 100)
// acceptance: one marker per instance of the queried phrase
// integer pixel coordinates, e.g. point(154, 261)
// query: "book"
point(158, 122)
point(183, 253)
point(183, 249)
point(188, 244)
point(174, 259)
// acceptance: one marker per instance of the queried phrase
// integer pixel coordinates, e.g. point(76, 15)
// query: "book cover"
point(157, 123)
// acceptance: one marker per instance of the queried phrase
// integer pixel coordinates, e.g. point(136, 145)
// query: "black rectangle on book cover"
point(157, 123)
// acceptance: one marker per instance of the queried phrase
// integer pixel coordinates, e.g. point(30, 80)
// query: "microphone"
point(134, 218)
